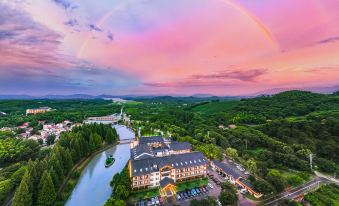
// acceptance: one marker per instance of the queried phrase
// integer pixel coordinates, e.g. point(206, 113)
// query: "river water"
point(93, 187)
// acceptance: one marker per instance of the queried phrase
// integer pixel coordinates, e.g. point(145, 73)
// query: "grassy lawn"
point(251, 197)
point(144, 194)
point(295, 179)
point(191, 184)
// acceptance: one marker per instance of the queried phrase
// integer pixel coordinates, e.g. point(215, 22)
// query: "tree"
point(228, 198)
point(208, 201)
point(263, 186)
point(115, 202)
point(121, 192)
point(231, 152)
point(276, 179)
point(251, 165)
point(50, 139)
point(110, 136)
point(23, 195)
point(68, 163)
point(46, 193)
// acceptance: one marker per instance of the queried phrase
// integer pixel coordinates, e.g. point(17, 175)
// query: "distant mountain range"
point(325, 90)
point(72, 96)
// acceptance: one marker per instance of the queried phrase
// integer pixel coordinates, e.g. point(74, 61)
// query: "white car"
point(243, 191)
point(210, 185)
point(219, 203)
point(156, 200)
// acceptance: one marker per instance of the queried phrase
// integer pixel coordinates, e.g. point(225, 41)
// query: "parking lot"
point(184, 197)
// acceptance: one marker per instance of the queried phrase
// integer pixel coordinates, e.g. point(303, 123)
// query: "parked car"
point(156, 200)
point(243, 191)
point(219, 203)
point(178, 197)
point(189, 193)
point(186, 195)
point(210, 185)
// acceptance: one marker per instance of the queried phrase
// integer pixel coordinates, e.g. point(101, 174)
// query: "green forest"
point(36, 176)
point(271, 136)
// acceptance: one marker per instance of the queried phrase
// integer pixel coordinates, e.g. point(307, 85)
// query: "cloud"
point(329, 40)
point(84, 77)
point(26, 42)
point(110, 36)
point(226, 78)
point(190, 83)
point(71, 22)
point(94, 28)
point(331, 68)
point(63, 3)
point(243, 75)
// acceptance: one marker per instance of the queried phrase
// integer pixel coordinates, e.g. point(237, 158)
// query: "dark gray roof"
point(146, 166)
point(227, 169)
point(164, 182)
point(162, 149)
point(247, 183)
point(180, 146)
point(141, 149)
point(146, 140)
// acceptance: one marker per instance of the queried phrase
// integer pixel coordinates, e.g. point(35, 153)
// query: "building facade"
point(153, 161)
point(234, 177)
point(38, 110)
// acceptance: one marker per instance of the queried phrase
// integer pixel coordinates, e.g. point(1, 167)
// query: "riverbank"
point(72, 178)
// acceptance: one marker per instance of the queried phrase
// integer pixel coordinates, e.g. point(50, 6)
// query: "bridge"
point(125, 141)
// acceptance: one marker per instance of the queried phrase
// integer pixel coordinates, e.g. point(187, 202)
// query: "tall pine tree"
point(23, 195)
point(46, 193)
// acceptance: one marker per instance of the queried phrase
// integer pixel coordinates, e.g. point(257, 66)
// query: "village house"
point(38, 110)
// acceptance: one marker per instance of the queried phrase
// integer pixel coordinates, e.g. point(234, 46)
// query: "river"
point(93, 187)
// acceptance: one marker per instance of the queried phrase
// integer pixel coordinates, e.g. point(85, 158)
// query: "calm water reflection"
point(93, 187)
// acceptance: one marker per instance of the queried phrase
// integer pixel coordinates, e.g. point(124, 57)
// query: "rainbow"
point(261, 27)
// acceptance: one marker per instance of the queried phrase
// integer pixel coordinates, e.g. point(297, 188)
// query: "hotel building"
point(155, 163)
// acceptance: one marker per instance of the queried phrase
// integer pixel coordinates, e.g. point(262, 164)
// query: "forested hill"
point(290, 103)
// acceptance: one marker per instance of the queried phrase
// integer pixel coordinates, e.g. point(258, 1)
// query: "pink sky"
point(184, 47)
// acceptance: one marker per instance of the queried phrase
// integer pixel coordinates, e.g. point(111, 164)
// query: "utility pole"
point(311, 161)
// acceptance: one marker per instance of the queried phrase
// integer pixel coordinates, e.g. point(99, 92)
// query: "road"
point(313, 184)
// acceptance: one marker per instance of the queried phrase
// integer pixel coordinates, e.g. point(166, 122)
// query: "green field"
point(215, 107)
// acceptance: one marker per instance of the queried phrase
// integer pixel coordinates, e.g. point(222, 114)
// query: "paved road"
point(316, 182)
point(320, 179)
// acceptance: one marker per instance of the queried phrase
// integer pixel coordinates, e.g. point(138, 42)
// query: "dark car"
point(189, 193)
point(185, 195)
